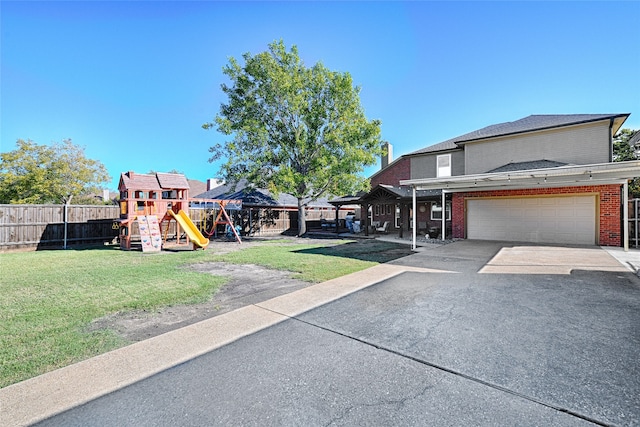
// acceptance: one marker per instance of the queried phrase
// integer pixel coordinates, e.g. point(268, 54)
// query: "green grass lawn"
point(47, 298)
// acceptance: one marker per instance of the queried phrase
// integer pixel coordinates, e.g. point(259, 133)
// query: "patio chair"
point(384, 229)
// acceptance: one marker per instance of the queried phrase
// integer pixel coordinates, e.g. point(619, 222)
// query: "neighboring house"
point(634, 141)
point(265, 213)
point(259, 197)
point(196, 187)
point(543, 178)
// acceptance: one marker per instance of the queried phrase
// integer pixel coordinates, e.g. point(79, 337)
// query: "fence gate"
point(634, 223)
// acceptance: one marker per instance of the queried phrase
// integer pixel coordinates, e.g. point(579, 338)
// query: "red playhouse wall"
point(609, 201)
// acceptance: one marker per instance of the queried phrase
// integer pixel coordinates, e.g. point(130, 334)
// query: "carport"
point(536, 205)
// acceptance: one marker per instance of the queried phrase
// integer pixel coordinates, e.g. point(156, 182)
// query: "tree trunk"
point(302, 223)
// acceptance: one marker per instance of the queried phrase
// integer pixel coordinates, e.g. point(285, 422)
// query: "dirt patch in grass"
point(248, 284)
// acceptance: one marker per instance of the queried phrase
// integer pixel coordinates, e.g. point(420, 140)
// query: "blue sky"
point(133, 82)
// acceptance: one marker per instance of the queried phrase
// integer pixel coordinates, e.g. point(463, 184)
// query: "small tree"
point(622, 151)
point(48, 173)
point(296, 130)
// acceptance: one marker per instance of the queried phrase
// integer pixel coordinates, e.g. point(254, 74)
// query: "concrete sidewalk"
point(630, 258)
point(38, 398)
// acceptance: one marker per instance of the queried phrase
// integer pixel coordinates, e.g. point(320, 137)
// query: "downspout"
point(625, 215)
point(413, 245)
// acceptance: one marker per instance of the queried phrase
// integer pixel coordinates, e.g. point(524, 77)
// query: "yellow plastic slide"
point(190, 228)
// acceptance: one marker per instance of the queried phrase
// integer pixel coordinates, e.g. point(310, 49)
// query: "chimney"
point(213, 183)
point(387, 155)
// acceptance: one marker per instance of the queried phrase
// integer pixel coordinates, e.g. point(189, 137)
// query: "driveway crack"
point(449, 371)
point(398, 403)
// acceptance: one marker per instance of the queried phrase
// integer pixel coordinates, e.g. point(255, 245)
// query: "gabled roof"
point(256, 196)
point(196, 187)
point(139, 181)
point(634, 141)
point(527, 124)
point(443, 146)
point(155, 182)
point(534, 123)
point(522, 166)
point(172, 180)
point(383, 192)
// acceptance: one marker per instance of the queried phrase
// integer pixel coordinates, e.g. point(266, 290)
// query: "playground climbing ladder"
point(150, 233)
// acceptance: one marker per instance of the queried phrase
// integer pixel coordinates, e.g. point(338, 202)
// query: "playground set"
point(153, 201)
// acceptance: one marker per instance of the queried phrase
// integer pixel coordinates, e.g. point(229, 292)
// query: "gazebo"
point(386, 203)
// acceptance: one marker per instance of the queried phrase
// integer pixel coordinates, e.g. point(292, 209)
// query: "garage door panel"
point(567, 219)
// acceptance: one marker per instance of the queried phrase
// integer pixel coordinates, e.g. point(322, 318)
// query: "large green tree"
point(54, 173)
point(623, 151)
point(296, 129)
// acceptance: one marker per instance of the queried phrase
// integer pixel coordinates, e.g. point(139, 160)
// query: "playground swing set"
point(153, 201)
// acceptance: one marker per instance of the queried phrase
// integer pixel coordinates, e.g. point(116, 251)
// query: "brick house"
point(543, 178)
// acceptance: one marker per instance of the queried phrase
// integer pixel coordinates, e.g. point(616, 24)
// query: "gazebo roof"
point(385, 194)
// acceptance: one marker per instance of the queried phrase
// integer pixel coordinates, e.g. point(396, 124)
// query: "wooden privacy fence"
point(255, 222)
point(43, 226)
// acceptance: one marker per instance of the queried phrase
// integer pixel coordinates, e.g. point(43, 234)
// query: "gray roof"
point(256, 196)
point(522, 166)
point(443, 146)
point(634, 141)
point(407, 192)
point(527, 124)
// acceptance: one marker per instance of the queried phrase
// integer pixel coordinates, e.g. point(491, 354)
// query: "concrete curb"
point(630, 259)
point(39, 398)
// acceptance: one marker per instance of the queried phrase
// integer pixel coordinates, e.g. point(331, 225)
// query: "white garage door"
point(569, 219)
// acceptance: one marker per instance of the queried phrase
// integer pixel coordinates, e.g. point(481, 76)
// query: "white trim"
point(563, 176)
point(625, 216)
point(443, 172)
point(447, 212)
point(414, 232)
point(444, 216)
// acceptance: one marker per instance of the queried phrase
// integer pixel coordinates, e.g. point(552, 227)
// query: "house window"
point(397, 216)
point(388, 209)
point(377, 210)
point(444, 165)
point(436, 211)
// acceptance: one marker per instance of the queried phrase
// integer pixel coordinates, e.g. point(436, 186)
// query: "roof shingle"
point(526, 124)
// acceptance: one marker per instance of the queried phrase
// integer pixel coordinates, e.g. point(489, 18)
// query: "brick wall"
point(609, 215)
point(393, 174)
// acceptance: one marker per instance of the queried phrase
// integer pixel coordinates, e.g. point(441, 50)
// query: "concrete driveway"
point(470, 333)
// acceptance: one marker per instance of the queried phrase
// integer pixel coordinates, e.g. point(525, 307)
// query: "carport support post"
point(413, 245)
point(625, 215)
point(444, 216)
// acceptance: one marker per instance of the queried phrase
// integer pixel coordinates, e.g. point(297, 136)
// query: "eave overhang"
point(563, 176)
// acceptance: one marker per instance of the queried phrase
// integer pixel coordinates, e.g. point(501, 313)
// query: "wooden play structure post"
point(146, 195)
point(153, 201)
